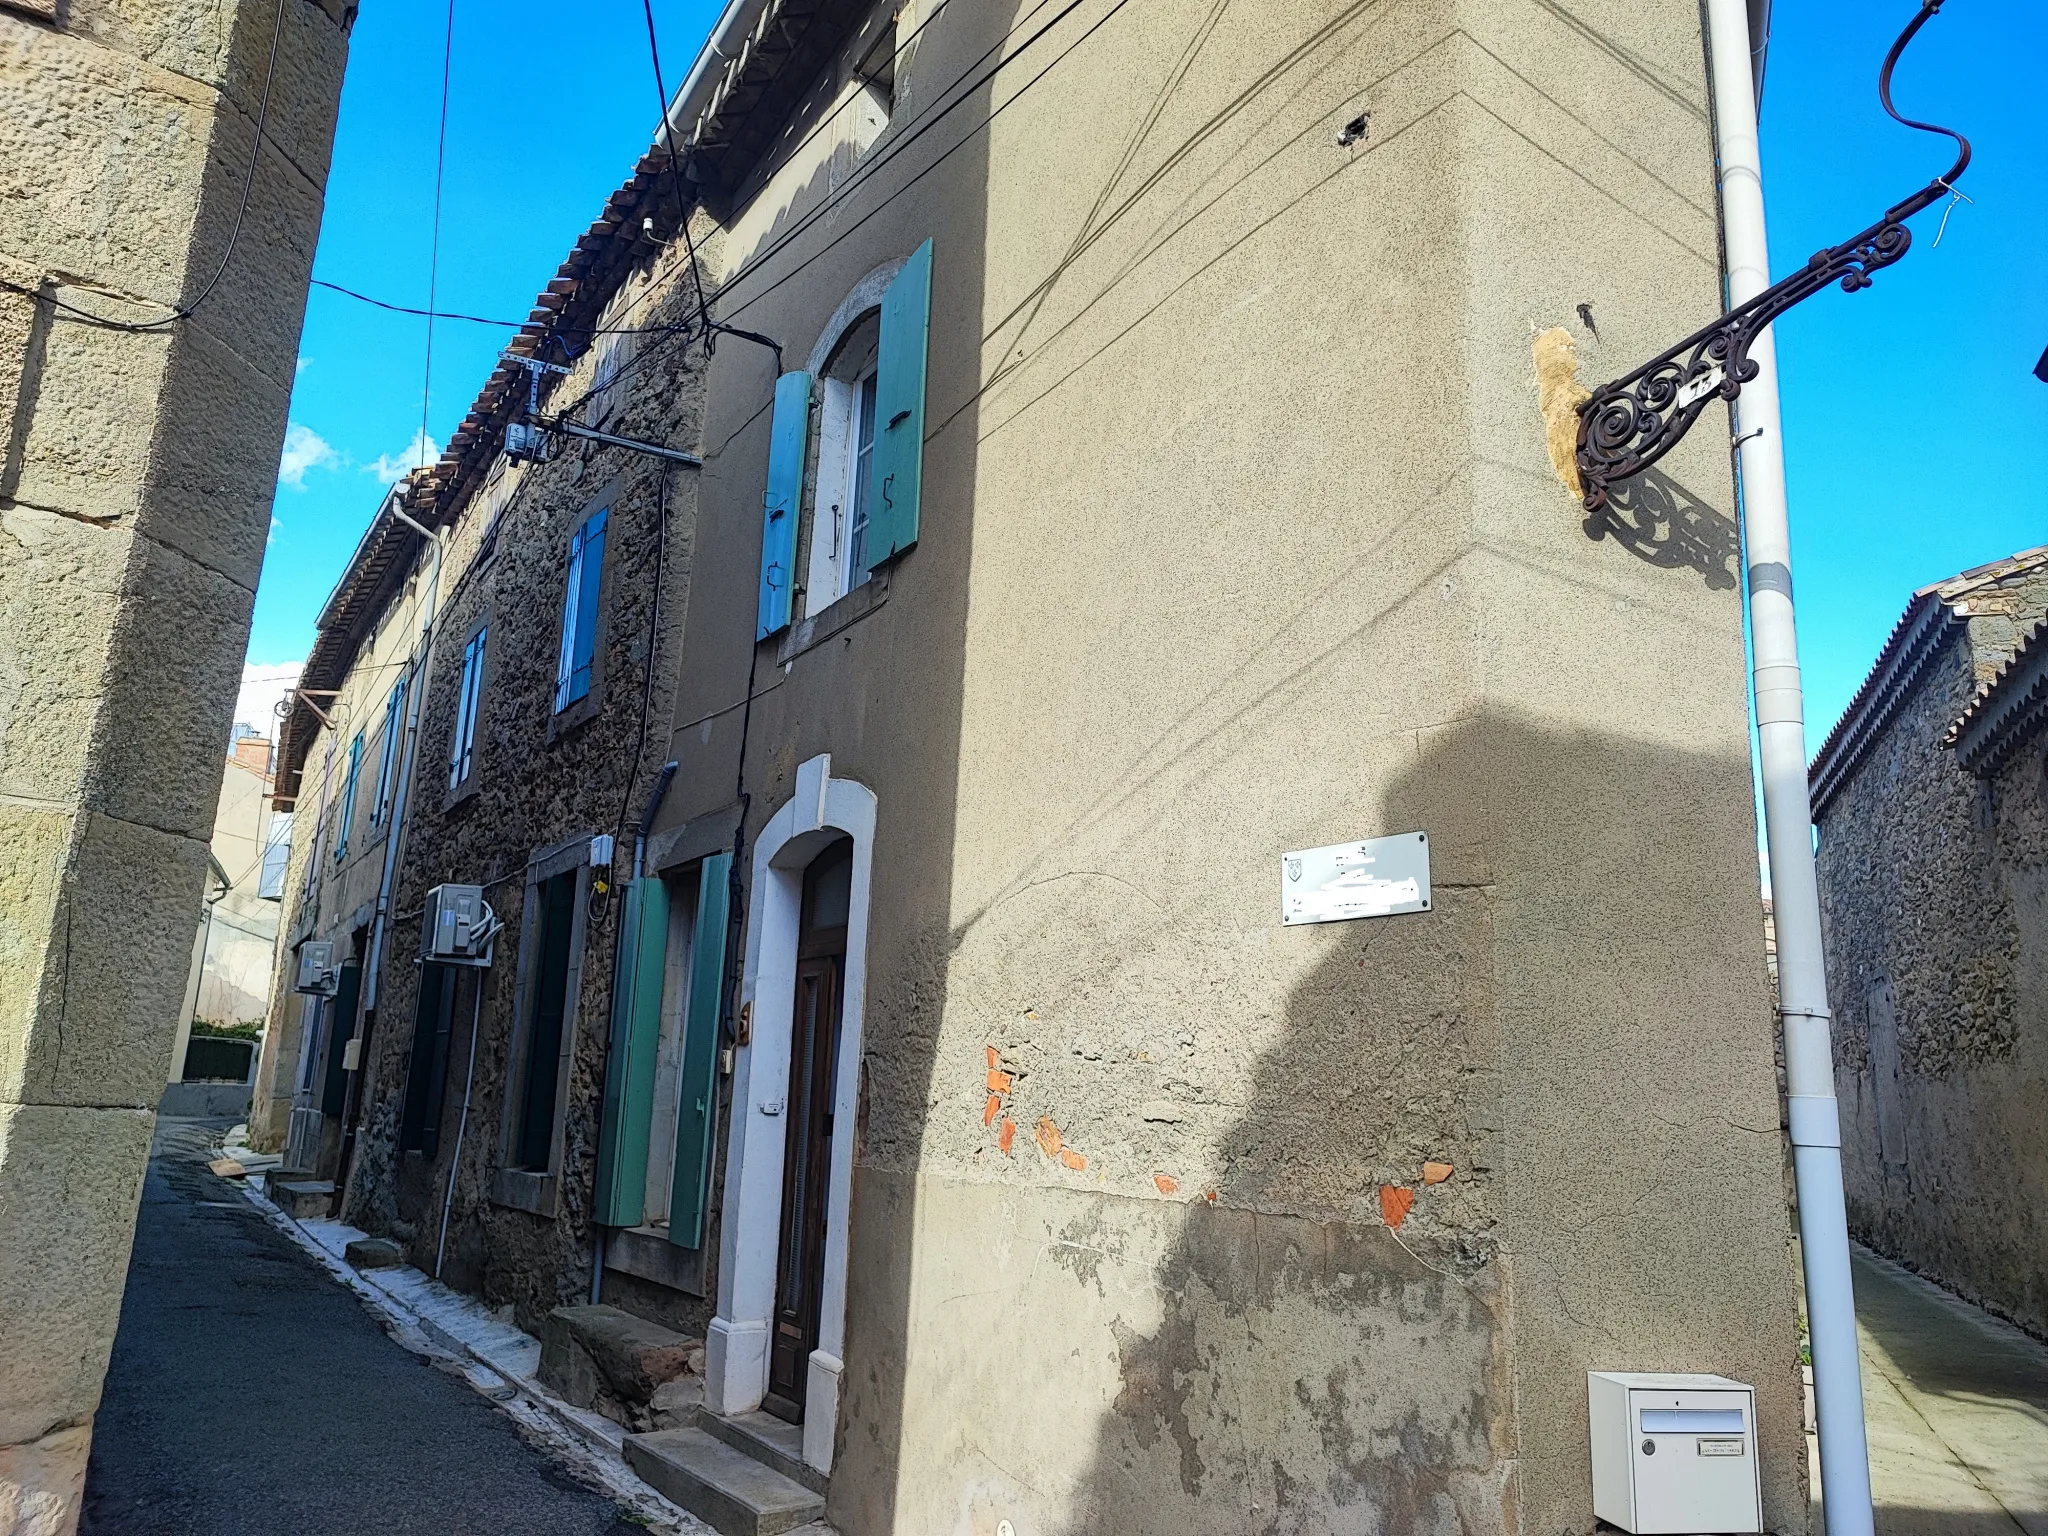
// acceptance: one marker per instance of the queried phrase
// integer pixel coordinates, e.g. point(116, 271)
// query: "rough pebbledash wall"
point(539, 781)
point(136, 472)
point(1934, 904)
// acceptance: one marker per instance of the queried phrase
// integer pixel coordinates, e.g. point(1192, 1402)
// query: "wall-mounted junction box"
point(317, 972)
point(458, 926)
point(1674, 1455)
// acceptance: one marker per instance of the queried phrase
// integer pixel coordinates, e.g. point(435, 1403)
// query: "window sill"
point(647, 1254)
point(537, 1193)
point(815, 629)
point(572, 717)
point(461, 794)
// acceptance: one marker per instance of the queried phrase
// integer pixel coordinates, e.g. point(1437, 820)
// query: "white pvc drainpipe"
point(1788, 814)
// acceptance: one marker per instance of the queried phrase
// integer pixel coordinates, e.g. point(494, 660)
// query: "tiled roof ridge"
point(1928, 623)
point(2007, 709)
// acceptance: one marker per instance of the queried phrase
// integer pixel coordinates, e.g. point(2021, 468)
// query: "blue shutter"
point(347, 817)
point(896, 474)
point(629, 1065)
point(591, 581)
point(690, 1187)
point(788, 436)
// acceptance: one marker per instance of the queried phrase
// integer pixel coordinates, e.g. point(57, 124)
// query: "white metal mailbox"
point(1674, 1455)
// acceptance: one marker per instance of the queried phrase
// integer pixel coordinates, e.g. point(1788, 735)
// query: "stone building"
point(1932, 808)
point(1121, 467)
point(235, 949)
point(153, 262)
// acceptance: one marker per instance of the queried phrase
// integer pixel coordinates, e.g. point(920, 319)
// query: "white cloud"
point(304, 449)
point(390, 468)
point(303, 364)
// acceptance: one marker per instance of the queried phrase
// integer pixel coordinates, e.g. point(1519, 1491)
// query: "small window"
point(277, 857)
point(846, 450)
point(462, 747)
point(533, 1142)
point(579, 611)
point(387, 766)
point(345, 819)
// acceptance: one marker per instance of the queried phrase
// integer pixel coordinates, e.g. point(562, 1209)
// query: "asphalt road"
point(249, 1393)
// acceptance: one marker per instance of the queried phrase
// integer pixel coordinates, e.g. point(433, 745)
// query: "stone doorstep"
point(718, 1483)
point(604, 1358)
point(769, 1440)
point(301, 1199)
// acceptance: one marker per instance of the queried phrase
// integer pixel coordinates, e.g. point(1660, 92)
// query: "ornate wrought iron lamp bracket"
point(1629, 424)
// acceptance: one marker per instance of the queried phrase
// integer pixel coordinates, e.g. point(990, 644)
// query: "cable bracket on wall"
point(1629, 424)
point(538, 437)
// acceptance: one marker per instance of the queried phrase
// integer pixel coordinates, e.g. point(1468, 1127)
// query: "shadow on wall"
point(1579, 1029)
point(1657, 519)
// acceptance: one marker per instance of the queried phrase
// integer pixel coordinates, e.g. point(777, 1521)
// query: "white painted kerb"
point(737, 1344)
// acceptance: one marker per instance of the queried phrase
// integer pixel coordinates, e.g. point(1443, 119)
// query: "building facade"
point(1121, 468)
point(1930, 798)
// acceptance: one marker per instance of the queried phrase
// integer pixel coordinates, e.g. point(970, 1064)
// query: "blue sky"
point(1916, 437)
point(550, 104)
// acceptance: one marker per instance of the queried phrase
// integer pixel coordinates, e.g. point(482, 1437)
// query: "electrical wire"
point(510, 325)
point(675, 171)
point(434, 247)
point(185, 312)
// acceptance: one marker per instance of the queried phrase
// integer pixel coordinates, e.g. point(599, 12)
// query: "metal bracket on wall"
point(1629, 424)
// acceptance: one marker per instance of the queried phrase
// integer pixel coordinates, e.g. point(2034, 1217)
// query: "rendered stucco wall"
point(1239, 535)
point(135, 478)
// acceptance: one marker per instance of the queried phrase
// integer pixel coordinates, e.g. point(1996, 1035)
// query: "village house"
point(1931, 801)
point(1121, 474)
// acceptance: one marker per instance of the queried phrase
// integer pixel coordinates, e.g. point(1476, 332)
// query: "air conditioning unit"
point(318, 973)
point(458, 926)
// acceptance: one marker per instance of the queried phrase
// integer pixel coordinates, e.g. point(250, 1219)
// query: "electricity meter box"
point(457, 926)
point(1674, 1455)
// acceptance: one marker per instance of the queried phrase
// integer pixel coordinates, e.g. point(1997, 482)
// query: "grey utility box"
point(1674, 1455)
point(458, 926)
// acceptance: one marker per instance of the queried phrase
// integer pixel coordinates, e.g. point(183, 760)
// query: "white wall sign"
point(1375, 878)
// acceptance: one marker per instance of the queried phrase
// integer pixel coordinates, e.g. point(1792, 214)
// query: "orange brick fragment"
point(1005, 1134)
point(1073, 1159)
point(1436, 1173)
point(1048, 1137)
point(1210, 1197)
point(1395, 1203)
point(988, 1114)
point(999, 1082)
point(993, 1059)
point(1168, 1184)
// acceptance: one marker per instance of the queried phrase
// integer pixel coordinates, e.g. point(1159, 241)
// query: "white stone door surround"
point(736, 1346)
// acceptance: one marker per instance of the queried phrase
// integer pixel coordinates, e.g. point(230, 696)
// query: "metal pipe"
point(476, 1011)
point(610, 440)
point(1812, 1116)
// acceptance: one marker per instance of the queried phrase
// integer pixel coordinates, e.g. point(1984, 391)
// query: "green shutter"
point(698, 1101)
point(896, 474)
point(788, 437)
point(629, 1073)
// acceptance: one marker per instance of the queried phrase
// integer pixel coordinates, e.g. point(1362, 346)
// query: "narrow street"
point(1957, 1407)
point(251, 1394)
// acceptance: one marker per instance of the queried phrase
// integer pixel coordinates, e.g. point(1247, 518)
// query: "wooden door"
point(806, 1175)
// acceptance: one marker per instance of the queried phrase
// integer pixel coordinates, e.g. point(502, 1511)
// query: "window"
point(862, 503)
point(277, 857)
point(579, 611)
point(533, 1140)
point(462, 747)
point(387, 766)
point(345, 819)
point(846, 451)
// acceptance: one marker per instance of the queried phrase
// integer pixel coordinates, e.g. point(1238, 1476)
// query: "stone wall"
point(136, 472)
point(1932, 903)
point(540, 781)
